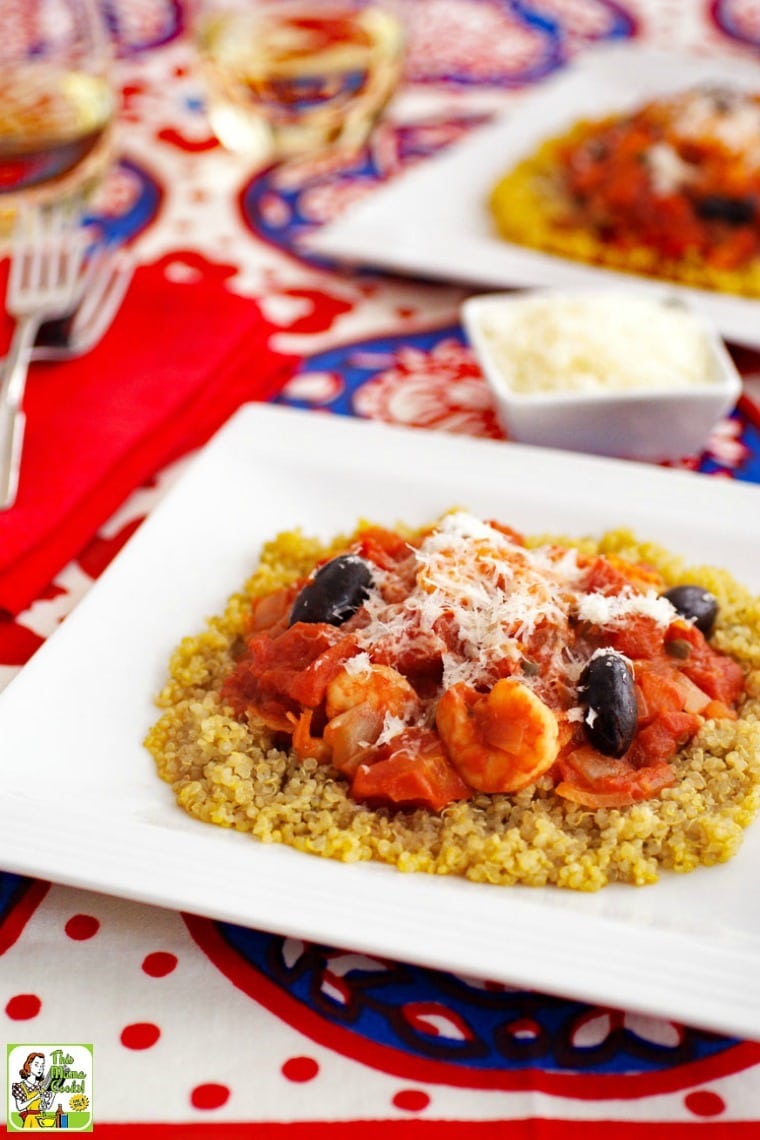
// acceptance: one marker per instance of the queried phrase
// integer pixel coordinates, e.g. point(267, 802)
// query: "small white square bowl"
point(666, 422)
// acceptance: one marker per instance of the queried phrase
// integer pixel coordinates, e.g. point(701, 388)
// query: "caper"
point(679, 648)
point(607, 692)
point(695, 604)
point(335, 592)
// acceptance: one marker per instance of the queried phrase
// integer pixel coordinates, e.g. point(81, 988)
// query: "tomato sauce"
point(678, 176)
point(458, 672)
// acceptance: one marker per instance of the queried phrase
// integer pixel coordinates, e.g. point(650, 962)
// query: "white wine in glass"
point(287, 78)
point(57, 104)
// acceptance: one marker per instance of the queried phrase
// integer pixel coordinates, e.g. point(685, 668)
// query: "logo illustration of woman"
point(31, 1093)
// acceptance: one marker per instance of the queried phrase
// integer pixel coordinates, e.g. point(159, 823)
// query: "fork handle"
point(12, 424)
point(12, 419)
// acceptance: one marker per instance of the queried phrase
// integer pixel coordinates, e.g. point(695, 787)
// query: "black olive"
point(606, 690)
point(720, 208)
point(335, 592)
point(696, 604)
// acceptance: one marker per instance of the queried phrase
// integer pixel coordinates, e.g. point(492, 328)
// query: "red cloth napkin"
point(182, 354)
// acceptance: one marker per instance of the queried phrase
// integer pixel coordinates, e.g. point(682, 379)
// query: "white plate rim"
point(128, 838)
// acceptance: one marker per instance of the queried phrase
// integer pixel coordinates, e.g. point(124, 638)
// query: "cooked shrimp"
point(500, 741)
point(357, 703)
point(376, 687)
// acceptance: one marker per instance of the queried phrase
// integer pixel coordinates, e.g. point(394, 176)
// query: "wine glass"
point(287, 78)
point(57, 104)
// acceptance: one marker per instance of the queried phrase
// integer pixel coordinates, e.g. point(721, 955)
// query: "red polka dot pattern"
point(141, 1035)
point(80, 927)
point(209, 1096)
point(22, 1007)
point(411, 1100)
point(300, 1069)
point(159, 964)
point(704, 1103)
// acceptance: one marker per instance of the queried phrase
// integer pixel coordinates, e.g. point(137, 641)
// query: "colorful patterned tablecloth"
point(198, 1025)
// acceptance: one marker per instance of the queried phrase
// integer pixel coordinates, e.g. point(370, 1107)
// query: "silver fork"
point(105, 280)
point(45, 282)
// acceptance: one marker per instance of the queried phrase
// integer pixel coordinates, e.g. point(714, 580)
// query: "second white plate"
point(433, 221)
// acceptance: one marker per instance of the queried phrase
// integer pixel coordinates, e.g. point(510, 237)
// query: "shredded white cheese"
point(594, 343)
point(480, 597)
point(358, 666)
point(730, 117)
point(667, 169)
point(611, 611)
point(392, 727)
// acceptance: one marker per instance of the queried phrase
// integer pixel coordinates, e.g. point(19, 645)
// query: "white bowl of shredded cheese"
point(613, 373)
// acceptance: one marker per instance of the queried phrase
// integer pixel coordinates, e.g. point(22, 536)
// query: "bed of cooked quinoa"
point(229, 773)
point(528, 209)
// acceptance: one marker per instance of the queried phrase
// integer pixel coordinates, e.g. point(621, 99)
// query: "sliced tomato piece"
point(640, 638)
point(308, 685)
point(660, 740)
point(294, 668)
point(715, 673)
point(293, 649)
point(608, 574)
point(720, 677)
point(649, 783)
point(585, 765)
point(382, 547)
point(658, 690)
point(415, 774)
point(594, 780)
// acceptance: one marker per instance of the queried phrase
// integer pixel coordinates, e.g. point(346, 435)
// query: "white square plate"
point(433, 220)
point(82, 803)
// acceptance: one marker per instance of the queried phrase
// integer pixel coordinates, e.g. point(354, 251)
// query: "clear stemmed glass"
point(287, 78)
point(57, 103)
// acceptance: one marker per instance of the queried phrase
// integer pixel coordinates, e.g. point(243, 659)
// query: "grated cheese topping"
point(611, 611)
point(358, 666)
point(480, 597)
point(731, 117)
point(668, 170)
point(392, 727)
